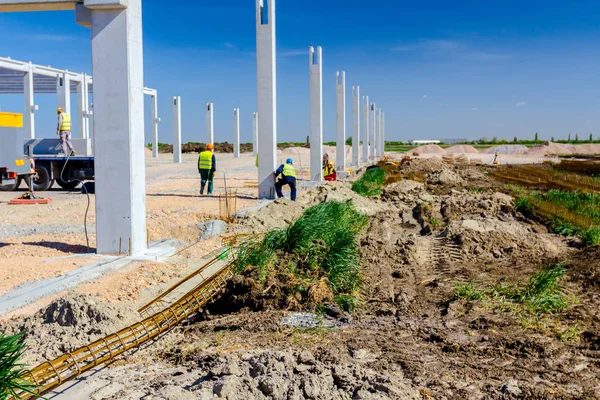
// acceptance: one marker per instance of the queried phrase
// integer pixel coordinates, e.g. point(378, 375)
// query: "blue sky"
point(439, 69)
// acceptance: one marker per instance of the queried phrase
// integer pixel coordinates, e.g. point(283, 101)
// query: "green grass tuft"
point(370, 183)
point(321, 243)
point(11, 371)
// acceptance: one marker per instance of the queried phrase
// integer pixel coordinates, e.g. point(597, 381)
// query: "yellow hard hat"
point(331, 163)
point(59, 109)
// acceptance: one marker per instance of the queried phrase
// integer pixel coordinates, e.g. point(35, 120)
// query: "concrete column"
point(340, 92)
point(372, 131)
point(355, 124)
point(210, 125)
point(236, 132)
point(30, 107)
point(254, 133)
point(118, 70)
point(365, 129)
point(81, 109)
point(155, 121)
point(177, 130)
point(316, 113)
point(85, 119)
point(266, 85)
point(63, 92)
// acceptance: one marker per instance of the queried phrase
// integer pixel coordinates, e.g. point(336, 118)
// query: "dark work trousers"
point(286, 180)
point(206, 175)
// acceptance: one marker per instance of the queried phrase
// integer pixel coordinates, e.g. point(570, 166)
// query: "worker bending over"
point(63, 130)
point(329, 172)
point(288, 177)
point(207, 165)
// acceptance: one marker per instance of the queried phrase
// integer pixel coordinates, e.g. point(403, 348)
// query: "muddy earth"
point(412, 337)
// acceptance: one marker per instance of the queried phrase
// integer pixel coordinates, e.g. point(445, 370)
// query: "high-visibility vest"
point(289, 171)
point(329, 170)
point(205, 160)
point(66, 122)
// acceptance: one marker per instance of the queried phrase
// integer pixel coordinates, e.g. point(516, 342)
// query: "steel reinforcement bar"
point(158, 302)
point(51, 374)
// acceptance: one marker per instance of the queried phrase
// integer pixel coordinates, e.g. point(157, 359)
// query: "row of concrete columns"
point(209, 130)
point(367, 120)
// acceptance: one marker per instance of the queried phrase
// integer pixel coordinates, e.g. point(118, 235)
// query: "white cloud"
point(474, 109)
point(229, 45)
point(425, 96)
point(521, 104)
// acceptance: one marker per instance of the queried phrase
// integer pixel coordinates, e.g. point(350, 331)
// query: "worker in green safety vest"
point(63, 130)
point(288, 177)
point(207, 165)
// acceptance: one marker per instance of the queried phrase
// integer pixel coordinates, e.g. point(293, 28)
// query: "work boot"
point(72, 153)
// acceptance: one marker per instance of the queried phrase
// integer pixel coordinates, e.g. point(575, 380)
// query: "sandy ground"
point(36, 242)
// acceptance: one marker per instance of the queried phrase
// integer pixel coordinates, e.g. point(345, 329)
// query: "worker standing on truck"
point(288, 177)
point(207, 165)
point(63, 130)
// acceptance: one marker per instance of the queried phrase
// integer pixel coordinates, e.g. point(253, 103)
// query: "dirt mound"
point(295, 375)
point(550, 148)
point(147, 151)
point(69, 323)
point(428, 149)
point(281, 212)
point(462, 148)
point(586, 149)
point(507, 149)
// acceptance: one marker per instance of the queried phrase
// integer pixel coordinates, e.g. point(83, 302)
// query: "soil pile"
point(428, 149)
point(295, 375)
point(508, 149)
point(550, 148)
point(586, 149)
point(462, 148)
point(69, 323)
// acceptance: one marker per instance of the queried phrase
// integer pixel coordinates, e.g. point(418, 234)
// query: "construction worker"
point(207, 165)
point(288, 177)
point(325, 160)
point(329, 172)
point(63, 130)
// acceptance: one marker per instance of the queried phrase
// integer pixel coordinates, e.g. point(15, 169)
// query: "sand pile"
point(550, 148)
point(147, 151)
point(508, 149)
point(69, 323)
point(462, 148)
point(428, 149)
point(586, 149)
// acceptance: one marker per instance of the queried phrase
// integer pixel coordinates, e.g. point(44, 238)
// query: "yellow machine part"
point(11, 120)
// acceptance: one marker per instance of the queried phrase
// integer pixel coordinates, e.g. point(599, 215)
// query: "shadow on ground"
point(64, 247)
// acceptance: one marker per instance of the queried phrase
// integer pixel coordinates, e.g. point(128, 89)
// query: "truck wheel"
point(41, 179)
point(66, 184)
point(10, 188)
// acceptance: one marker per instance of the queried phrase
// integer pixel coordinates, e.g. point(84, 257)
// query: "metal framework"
point(46, 79)
point(51, 374)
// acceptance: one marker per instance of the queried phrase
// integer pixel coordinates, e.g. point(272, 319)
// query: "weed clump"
point(370, 183)
point(542, 296)
point(313, 260)
point(11, 371)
